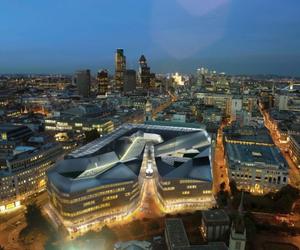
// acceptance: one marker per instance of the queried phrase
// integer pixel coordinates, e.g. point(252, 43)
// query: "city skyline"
point(224, 35)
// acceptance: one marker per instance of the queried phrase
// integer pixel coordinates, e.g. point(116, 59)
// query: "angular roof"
point(118, 157)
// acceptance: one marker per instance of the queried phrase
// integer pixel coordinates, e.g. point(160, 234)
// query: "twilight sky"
point(235, 36)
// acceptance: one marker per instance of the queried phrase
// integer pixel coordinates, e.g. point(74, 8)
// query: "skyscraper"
point(82, 79)
point(102, 79)
point(120, 68)
point(129, 80)
point(144, 73)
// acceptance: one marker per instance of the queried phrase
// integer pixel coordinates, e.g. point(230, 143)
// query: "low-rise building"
point(215, 225)
point(176, 238)
point(134, 245)
point(256, 168)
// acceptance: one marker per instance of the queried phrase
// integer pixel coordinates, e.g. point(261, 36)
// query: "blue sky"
point(249, 36)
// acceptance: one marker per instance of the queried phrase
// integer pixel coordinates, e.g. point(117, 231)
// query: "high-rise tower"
point(82, 80)
point(102, 79)
point(120, 68)
point(144, 73)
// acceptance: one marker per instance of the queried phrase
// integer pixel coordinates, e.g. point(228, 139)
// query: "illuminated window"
point(88, 203)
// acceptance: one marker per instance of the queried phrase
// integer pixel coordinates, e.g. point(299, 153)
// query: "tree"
point(222, 186)
point(154, 225)
point(222, 198)
point(137, 227)
point(33, 216)
point(233, 187)
point(108, 234)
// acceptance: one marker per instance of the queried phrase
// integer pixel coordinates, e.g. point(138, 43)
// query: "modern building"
point(82, 79)
point(236, 106)
point(84, 117)
point(120, 69)
point(23, 174)
point(103, 82)
point(14, 133)
point(215, 225)
point(130, 81)
point(102, 181)
point(78, 125)
point(256, 168)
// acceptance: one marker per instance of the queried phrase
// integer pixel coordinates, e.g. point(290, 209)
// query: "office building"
point(133, 245)
point(14, 133)
point(82, 79)
point(144, 73)
point(99, 182)
point(23, 174)
point(130, 81)
point(103, 82)
point(256, 168)
point(215, 225)
point(176, 238)
point(120, 69)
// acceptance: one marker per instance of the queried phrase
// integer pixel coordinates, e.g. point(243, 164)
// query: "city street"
point(11, 223)
point(294, 172)
point(220, 172)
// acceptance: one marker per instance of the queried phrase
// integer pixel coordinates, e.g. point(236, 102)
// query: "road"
point(220, 171)
point(139, 118)
point(13, 222)
point(294, 172)
point(293, 220)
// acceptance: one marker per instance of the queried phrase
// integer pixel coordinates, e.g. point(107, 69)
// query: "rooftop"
point(251, 155)
point(176, 233)
point(180, 153)
point(215, 216)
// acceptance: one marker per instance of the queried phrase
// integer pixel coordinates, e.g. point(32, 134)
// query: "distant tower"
point(273, 89)
point(148, 110)
point(102, 79)
point(82, 80)
point(237, 240)
point(129, 81)
point(120, 68)
point(144, 73)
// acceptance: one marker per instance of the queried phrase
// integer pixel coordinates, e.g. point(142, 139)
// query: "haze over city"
point(237, 37)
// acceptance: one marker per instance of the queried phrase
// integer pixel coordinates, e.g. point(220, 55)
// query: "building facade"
point(24, 174)
point(120, 69)
point(82, 80)
point(256, 168)
point(103, 181)
point(103, 82)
